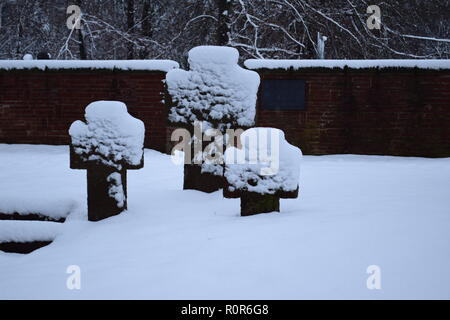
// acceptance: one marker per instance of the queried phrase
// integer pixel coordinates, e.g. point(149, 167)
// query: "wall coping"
point(253, 64)
point(280, 64)
point(147, 65)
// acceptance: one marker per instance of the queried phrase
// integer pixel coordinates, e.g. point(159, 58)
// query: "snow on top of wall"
point(147, 65)
point(354, 64)
point(265, 164)
point(29, 231)
point(111, 136)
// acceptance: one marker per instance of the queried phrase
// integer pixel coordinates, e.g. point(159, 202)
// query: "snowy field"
point(353, 212)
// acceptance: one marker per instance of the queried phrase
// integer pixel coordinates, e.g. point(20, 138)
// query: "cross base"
point(254, 203)
point(104, 190)
point(194, 179)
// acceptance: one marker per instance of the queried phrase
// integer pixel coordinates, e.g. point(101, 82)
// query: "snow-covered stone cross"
point(107, 145)
point(262, 170)
point(217, 93)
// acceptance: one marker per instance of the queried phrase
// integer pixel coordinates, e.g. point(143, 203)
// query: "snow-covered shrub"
point(265, 163)
point(110, 136)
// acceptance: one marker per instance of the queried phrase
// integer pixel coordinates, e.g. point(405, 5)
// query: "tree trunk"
point(82, 47)
point(223, 25)
point(146, 26)
point(1, 14)
point(130, 26)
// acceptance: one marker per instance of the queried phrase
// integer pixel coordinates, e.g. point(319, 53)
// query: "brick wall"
point(367, 111)
point(38, 107)
point(370, 111)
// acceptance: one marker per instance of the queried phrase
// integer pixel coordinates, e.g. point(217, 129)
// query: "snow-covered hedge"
point(266, 163)
point(111, 135)
point(215, 91)
point(354, 64)
point(147, 65)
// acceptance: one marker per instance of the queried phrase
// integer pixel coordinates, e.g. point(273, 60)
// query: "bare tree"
point(125, 29)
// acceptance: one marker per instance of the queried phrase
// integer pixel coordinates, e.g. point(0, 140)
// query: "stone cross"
point(216, 92)
point(107, 145)
point(265, 169)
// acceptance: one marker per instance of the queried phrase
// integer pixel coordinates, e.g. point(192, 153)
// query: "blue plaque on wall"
point(283, 95)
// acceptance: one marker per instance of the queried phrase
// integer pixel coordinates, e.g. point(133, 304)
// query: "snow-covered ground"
point(353, 212)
